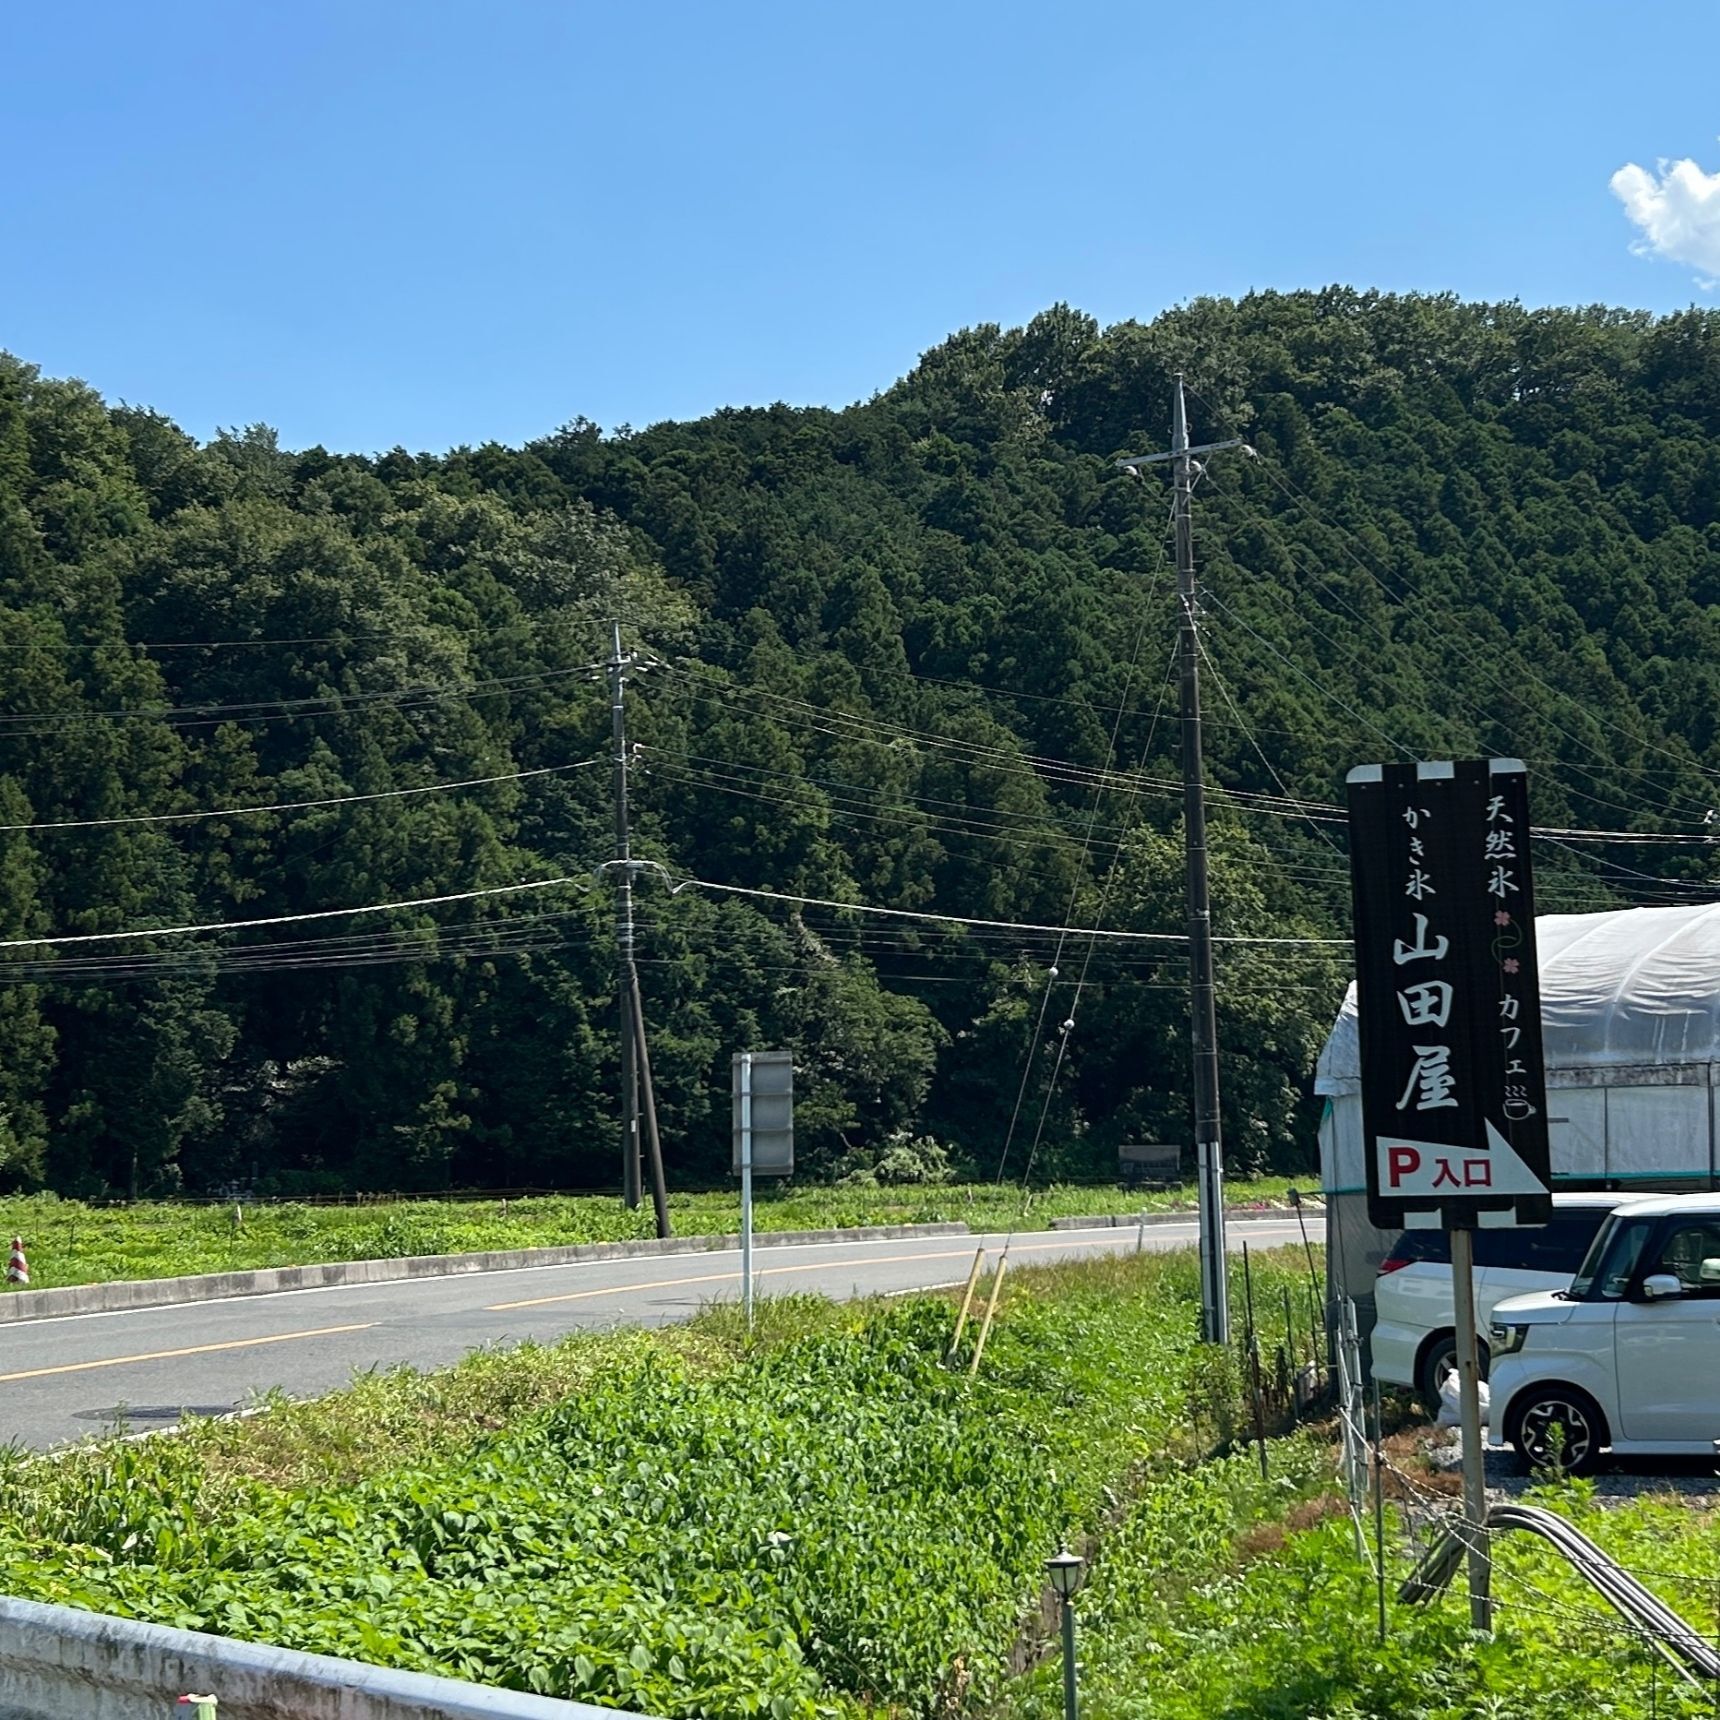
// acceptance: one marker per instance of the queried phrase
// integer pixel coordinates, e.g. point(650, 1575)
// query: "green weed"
point(694, 1522)
point(70, 1243)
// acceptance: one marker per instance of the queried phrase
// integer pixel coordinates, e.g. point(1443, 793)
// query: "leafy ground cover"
point(822, 1518)
point(71, 1243)
point(1223, 1595)
point(688, 1522)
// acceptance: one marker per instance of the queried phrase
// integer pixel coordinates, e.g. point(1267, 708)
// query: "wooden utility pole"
point(1203, 1013)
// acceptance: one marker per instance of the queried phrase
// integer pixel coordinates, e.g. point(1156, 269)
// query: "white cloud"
point(1677, 212)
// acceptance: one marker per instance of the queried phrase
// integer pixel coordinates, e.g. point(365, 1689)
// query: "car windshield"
point(1611, 1260)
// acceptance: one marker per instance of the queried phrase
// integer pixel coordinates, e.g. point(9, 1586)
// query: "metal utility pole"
point(1203, 1015)
point(627, 977)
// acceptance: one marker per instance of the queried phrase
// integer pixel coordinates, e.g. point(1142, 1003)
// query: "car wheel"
point(1439, 1363)
point(1555, 1426)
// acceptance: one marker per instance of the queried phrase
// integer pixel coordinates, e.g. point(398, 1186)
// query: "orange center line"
point(190, 1350)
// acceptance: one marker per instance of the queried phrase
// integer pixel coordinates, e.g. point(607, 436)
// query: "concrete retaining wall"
point(58, 1663)
point(270, 1280)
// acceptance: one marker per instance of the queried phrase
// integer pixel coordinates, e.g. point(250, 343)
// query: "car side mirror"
point(1709, 1271)
point(1661, 1287)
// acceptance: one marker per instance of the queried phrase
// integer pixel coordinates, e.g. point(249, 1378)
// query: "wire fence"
point(1534, 1587)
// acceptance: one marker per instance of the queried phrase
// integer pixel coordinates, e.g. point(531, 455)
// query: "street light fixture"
point(1066, 1570)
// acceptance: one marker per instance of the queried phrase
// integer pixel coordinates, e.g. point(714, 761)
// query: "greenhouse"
point(1630, 1007)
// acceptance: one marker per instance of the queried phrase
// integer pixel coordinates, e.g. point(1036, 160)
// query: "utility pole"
point(1203, 1013)
point(635, 1056)
point(627, 976)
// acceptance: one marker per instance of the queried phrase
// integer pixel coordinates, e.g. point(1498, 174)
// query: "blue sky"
point(371, 223)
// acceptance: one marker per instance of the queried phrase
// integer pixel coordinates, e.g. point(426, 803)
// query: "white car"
point(1629, 1356)
point(1414, 1340)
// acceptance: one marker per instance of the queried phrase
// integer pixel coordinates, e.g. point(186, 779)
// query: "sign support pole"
point(1474, 1455)
point(746, 1188)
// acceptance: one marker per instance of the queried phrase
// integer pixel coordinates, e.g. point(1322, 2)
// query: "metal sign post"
point(763, 1118)
point(1474, 1457)
point(746, 1188)
point(1454, 1103)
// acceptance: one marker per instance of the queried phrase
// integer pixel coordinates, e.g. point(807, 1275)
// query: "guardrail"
point(58, 1663)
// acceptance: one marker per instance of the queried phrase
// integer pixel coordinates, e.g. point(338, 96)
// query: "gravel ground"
point(1691, 1478)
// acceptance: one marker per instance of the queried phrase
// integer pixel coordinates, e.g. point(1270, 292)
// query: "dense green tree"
point(912, 654)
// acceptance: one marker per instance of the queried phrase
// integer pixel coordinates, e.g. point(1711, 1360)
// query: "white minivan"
point(1629, 1356)
point(1414, 1340)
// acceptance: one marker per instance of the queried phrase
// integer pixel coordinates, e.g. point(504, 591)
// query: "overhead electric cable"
point(57, 939)
point(281, 710)
point(296, 805)
point(1481, 720)
point(1224, 690)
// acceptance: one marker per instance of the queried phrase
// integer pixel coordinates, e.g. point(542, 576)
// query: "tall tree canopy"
point(912, 655)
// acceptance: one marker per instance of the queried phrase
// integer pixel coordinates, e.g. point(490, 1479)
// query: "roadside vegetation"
point(822, 1518)
point(688, 1522)
point(72, 1243)
point(1223, 1595)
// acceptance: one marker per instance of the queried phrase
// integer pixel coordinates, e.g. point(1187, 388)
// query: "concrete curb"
point(62, 1663)
point(1129, 1220)
point(271, 1280)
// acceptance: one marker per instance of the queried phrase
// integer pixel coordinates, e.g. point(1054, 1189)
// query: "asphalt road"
point(66, 1378)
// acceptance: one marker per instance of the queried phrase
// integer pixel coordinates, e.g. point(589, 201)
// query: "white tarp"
point(1637, 988)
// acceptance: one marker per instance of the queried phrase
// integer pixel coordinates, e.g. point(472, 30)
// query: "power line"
point(1684, 761)
point(1481, 719)
point(1060, 772)
point(1367, 723)
point(1073, 1016)
point(423, 631)
point(1313, 823)
point(281, 710)
point(1051, 972)
point(58, 939)
point(296, 805)
point(971, 920)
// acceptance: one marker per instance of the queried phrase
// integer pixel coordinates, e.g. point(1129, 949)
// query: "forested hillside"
point(912, 654)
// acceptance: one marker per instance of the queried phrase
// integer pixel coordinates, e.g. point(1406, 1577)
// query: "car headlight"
point(1507, 1340)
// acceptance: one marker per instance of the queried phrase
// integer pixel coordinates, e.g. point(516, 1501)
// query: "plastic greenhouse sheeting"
point(1634, 988)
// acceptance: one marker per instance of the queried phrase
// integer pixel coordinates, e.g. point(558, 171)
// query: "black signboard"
point(1454, 1104)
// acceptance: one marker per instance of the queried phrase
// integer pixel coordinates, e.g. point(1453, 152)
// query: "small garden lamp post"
point(1066, 1571)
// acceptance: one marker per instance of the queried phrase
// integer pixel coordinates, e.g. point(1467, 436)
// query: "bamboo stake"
point(990, 1309)
point(967, 1305)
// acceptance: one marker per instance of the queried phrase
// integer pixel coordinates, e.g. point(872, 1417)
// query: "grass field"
point(70, 1243)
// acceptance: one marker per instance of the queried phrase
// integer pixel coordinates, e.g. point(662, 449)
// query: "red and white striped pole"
point(17, 1267)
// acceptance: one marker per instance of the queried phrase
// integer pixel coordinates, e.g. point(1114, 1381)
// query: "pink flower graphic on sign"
point(1511, 964)
point(1502, 918)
